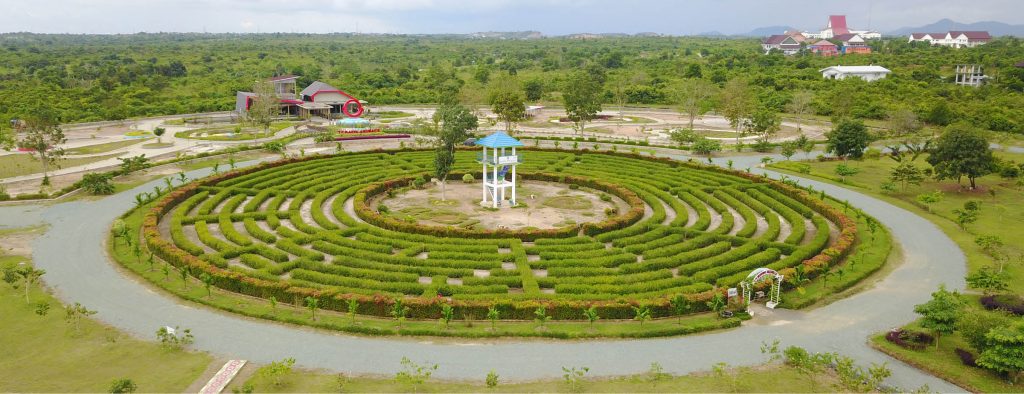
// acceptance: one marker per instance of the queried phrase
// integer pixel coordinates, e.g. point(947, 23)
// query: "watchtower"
point(496, 165)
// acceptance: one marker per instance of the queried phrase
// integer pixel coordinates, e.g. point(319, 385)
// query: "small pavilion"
point(496, 164)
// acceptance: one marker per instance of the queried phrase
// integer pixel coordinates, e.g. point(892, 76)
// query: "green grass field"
point(45, 354)
point(764, 378)
point(221, 133)
point(23, 164)
point(101, 148)
point(999, 216)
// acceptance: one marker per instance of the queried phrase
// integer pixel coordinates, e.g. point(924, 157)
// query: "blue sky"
point(449, 16)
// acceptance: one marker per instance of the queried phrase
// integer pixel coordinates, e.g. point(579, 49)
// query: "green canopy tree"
point(581, 97)
point(906, 173)
point(507, 101)
point(1005, 350)
point(848, 139)
point(43, 136)
point(941, 313)
point(962, 151)
point(265, 106)
point(693, 98)
point(455, 122)
point(764, 123)
point(737, 103)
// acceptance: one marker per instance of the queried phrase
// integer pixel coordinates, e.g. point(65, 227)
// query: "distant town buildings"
point(835, 39)
point(868, 73)
point(837, 26)
point(955, 39)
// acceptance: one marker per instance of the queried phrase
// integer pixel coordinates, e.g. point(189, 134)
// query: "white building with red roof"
point(781, 42)
point(836, 25)
point(955, 39)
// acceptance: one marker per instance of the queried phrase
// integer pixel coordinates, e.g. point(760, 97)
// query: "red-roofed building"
point(318, 99)
point(852, 43)
point(955, 39)
point(837, 26)
point(824, 48)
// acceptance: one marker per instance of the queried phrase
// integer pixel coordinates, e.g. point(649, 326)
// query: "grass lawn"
point(1000, 215)
point(23, 164)
point(101, 148)
point(46, 354)
point(945, 363)
point(158, 145)
point(392, 114)
point(766, 378)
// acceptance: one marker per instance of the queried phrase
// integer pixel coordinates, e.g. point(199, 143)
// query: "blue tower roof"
point(498, 140)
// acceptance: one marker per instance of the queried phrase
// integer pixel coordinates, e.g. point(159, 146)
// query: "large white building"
point(868, 73)
point(955, 39)
point(837, 26)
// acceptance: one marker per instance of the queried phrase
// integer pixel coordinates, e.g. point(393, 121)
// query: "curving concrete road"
point(73, 255)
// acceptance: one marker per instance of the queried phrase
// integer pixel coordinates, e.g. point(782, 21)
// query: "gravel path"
point(73, 255)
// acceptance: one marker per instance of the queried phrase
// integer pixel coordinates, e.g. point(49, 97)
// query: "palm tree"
point(312, 303)
point(591, 315)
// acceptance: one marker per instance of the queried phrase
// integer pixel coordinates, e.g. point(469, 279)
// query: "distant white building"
point(837, 26)
point(867, 73)
point(955, 39)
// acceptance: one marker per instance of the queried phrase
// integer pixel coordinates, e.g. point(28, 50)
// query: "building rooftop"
point(857, 69)
point(317, 86)
point(498, 140)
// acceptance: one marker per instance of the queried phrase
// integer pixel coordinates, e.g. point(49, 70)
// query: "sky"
point(551, 17)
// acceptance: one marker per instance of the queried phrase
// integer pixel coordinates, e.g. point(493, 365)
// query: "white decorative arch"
point(760, 275)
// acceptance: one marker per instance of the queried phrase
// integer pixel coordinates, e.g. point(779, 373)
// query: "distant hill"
point(993, 28)
point(766, 31)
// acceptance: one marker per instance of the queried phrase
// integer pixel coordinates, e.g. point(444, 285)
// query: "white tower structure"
point(498, 162)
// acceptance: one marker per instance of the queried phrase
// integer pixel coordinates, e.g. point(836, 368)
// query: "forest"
point(93, 77)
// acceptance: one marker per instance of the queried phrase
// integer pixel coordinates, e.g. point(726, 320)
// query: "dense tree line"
point(113, 77)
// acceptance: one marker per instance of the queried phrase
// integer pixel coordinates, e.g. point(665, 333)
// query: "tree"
point(683, 136)
point(789, 149)
point(493, 315)
point(265, 106)
point(800, 105)
point(533, 88)
point(848, 139)
point(1004, 350)
point(575, 377)
point(693, 98)
point(764, 123)
point(641, 314)
point(207, 283)
point(73, 314)
point(974, 324)
point(680, 305)
point(447, 312)
point(97, 183)
point(737, 103)
point(159, 133)
point(25, 274)
point(581, 97)
point(968, 214)
point(507, 101)
point(122, 386)
point(276, 371)
point(717, 303)
point(312, 303)
point(805, 144)
point(962, 151)
point(591, 315)
point(455, 123)
point(353, 308)
point(930, 198)
point(413, 374)
point(540, 315)
point(706, 146)
point(844, 170)
point(399, 310)
point(940, 114)
point(906, 173)
point(43, 137)
point(940, 314)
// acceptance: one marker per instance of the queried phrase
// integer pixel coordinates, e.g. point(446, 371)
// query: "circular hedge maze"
point(303, 228)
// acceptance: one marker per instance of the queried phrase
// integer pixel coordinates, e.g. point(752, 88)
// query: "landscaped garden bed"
point(292, 231)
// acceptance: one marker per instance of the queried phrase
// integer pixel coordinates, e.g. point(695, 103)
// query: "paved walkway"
point(74, 257)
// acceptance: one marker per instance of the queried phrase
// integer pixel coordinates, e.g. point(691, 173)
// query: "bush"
point(909, 339)
point(966, 357)
point(467, 178)
point(1010, 303)
point(122, 385)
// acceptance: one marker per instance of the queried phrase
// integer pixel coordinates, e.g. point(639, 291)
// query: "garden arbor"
point(760, 275)
point(495, 165)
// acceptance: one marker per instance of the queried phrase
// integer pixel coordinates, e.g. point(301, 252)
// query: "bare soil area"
point(541, 205)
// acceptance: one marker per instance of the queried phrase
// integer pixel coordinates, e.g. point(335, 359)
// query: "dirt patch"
point(18, 241)
point(785, 229)
point(541, 205)
point(737, 220)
